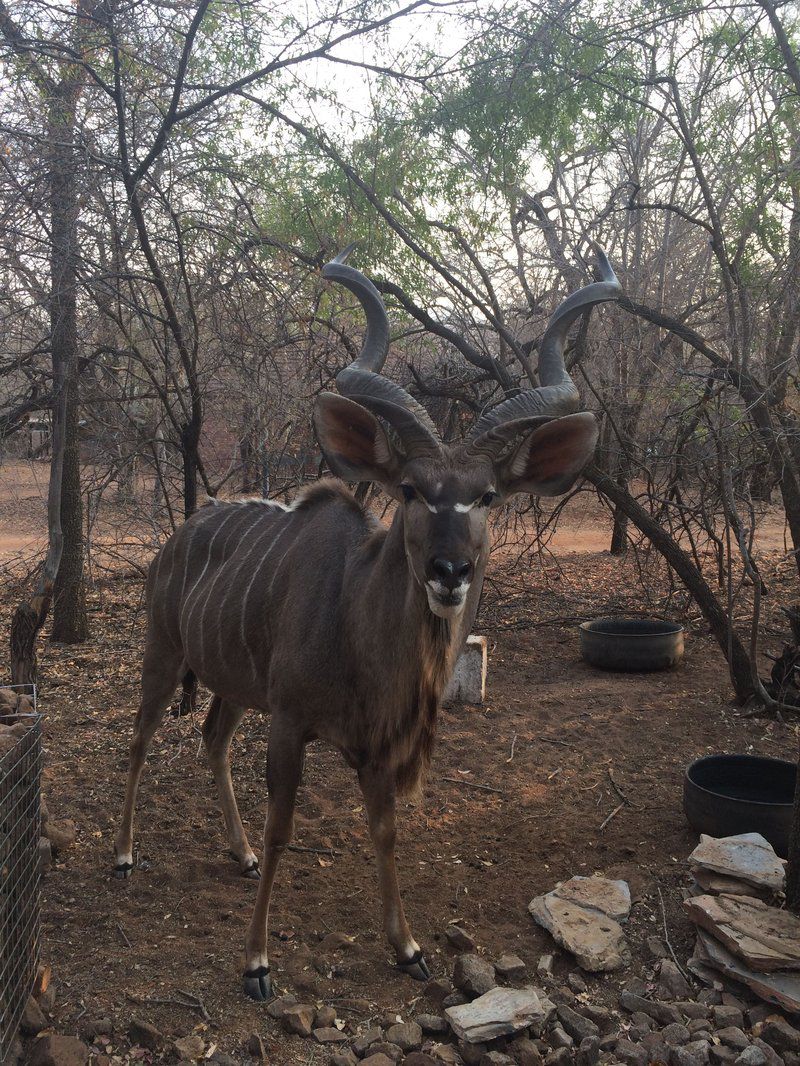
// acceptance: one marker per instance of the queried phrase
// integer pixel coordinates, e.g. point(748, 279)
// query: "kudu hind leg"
point(159, 680)
point(379, 798)
point(218, 729)
point(284, 770)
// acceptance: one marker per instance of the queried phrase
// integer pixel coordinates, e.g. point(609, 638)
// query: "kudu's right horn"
point(362, 380)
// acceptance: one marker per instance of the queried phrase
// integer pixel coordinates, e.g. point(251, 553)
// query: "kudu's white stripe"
point(231, 533)
point(161, 600)
point(196, 585)
point(198, 522)
point(277, 568)
point(268, 529)
point(242, 628)
point(237, 561)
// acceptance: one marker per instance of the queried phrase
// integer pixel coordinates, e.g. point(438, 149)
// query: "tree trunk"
point(70, 623)
point(29, 617)
point(619, 532)
point(190, 438)
point(247, 456)
point(762, 481)
point(69, 606)
point(793, 871)
point(780, 456)
point(732, 647)
point(160, 498)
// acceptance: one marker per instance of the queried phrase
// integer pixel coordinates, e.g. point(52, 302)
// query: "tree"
point(62, 577)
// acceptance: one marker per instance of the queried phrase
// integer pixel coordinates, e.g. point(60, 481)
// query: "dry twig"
point(613, 814)
point(666, 936)
point(474, 784)
point(513, 742)
point(312, 851)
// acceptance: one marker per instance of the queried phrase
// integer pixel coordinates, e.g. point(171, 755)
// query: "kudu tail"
point(188, 696)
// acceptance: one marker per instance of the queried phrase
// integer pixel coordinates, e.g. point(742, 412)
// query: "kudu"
point(347, 631)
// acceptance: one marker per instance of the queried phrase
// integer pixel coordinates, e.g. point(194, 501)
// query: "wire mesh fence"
point(20, 829)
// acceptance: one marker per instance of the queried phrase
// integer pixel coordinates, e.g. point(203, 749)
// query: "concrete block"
point(468, 683)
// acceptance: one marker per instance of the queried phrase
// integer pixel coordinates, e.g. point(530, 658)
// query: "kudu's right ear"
point(353, 441)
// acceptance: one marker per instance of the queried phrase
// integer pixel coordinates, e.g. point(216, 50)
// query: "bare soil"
point(560, 740)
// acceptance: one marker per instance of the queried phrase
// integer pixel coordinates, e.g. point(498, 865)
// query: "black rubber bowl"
point(631, 644)
point(724, 795)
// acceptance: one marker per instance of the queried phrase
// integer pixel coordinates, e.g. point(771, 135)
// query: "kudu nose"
point(451, 573)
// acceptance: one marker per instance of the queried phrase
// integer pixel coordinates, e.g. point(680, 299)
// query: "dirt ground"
point(559, 741)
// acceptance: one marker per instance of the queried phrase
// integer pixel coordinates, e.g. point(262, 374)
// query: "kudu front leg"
point(284, 770)
point(378, 789)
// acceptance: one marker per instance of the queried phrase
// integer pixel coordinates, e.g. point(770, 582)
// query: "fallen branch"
point(195, 1003)
point(312, 851)
point(473, 784)
point(620, 793)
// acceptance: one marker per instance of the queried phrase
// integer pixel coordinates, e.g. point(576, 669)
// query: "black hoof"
point(258, 984)
point(416, 967)
point(252, 871)
point(123, 870)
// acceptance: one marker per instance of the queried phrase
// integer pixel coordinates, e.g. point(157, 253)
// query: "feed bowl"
point(631, 644)
point(724, 795)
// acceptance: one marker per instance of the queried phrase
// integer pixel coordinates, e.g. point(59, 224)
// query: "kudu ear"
point(353, 441)
point(549, 458)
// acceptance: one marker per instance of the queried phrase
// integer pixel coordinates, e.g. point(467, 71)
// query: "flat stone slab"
point(719, 885)
point(500, 1012)
point(746, 857)
point(589, 928)
point(597, 941)
point(710, 958)
point(763, 937)
point(612, 898)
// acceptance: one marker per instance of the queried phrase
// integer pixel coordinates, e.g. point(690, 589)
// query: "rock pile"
point(743, 865)
point(13, 702)
point(12, 730)
point(740, 936)
point(56, 837)
point(554, 1023)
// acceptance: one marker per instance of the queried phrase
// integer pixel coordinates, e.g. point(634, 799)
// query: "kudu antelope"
point(343, 629)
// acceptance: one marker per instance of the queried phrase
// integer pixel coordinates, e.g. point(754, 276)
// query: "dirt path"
point(584, 527)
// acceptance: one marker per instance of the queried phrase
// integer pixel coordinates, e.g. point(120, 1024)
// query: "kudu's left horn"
point(557, 394)
point(362, 380)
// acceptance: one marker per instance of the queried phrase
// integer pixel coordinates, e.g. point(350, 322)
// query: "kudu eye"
point(409, 492)
point(488, 499)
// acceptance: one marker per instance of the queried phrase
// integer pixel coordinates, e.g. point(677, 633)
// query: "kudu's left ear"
point(353, 441)
point(549, 458)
